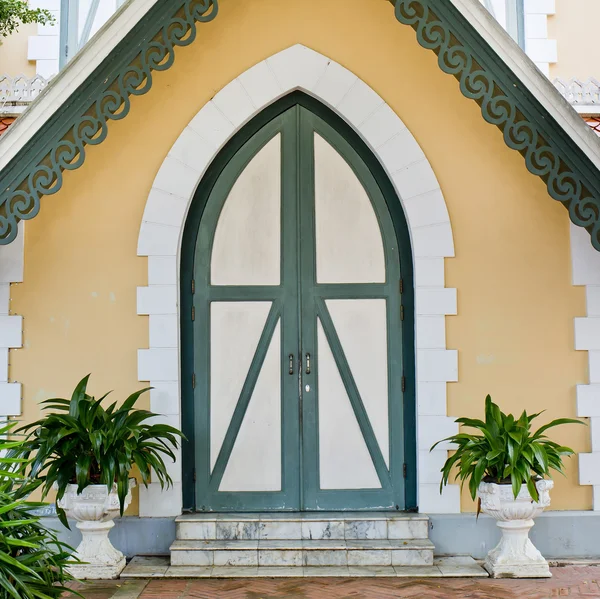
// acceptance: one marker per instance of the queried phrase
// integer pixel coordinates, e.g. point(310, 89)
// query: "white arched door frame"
point(299, 67)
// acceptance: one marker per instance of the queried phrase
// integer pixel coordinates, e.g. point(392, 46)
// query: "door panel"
point(297, 332)
point(361, 326)
point(250, 255)
point(255, 462)
point(247, 445)
point(349, 271)
point(349, 248)
point(344, 459)
point(236, 325)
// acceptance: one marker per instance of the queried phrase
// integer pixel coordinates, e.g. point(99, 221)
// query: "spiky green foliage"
point(15, 12)
point(32, 560)
point(506, 452)
point(81, 442)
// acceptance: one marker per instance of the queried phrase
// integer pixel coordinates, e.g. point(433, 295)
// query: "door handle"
point(291, 358)
point(307, 363)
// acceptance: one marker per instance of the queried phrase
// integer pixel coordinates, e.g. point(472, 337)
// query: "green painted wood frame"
point(197, 241)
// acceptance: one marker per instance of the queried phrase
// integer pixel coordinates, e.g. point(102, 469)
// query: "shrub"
point(32, 560)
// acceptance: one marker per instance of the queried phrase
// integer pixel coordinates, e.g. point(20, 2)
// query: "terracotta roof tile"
point(5, 123)
point(593, 122)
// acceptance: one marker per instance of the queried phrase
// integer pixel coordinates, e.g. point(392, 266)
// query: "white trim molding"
point(586, 271)
point(43, 48)
point(539, 48)
point(164, 217)
point(11, 326)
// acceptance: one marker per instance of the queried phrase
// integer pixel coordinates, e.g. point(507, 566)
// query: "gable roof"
point(74, 110)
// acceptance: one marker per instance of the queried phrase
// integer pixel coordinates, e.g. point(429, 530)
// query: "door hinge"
point(194, 380)
point(193, 286)
point(401, 312)
point(401, 286)
point(194, 475)
point(403, 470)
point(403, 384)
point(193, 313)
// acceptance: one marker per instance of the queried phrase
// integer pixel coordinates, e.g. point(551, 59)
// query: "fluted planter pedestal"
point(515, 556)
point(95, 510)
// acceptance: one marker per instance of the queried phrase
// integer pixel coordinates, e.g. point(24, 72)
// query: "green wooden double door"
point(298, 398)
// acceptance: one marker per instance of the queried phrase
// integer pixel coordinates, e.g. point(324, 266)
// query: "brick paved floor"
point(582, 582)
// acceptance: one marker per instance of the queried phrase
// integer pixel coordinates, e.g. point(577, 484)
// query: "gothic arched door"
point(295, 348)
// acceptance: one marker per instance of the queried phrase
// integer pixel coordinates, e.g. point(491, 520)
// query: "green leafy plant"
point(15, 12)
point(32, 560)
point(506, 452)
point(83, 443)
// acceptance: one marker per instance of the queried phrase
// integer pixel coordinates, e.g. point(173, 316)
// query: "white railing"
point(16, 93)
point(578, 92)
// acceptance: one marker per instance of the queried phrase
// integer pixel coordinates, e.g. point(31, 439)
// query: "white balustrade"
point(16, 93)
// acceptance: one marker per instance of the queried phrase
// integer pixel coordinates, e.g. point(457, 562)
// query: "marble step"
point(302, 526)
point(160, 567)
point(303, 553)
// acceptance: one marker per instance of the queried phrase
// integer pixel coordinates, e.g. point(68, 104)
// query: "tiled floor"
point(581, 582)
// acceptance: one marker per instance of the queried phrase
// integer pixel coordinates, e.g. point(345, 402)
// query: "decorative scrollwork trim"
point(104, 97)
point(549, 151)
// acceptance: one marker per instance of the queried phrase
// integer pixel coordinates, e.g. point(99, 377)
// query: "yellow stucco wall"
point(13, 53)
point(575, 29)
point(514, 331)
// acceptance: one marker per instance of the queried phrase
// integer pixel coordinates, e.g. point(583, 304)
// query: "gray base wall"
point(131, 535)
point(558, 535)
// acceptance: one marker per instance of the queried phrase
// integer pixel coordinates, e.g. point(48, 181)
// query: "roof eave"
point(531, 77)
point(66, 83)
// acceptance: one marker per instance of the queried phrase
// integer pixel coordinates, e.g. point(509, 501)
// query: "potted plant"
point(33, 562)
point(86, 452)
point(505, 467)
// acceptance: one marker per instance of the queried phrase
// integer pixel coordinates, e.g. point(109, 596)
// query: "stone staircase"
point(306, 541)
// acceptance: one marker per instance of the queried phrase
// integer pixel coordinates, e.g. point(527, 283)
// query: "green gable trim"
point(549, 152)
point(38, 168)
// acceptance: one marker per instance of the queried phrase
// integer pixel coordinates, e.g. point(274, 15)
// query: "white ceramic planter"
point(515, 556)
point(94, 510)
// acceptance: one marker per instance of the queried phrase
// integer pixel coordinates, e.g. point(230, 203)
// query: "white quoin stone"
point(515, 556)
